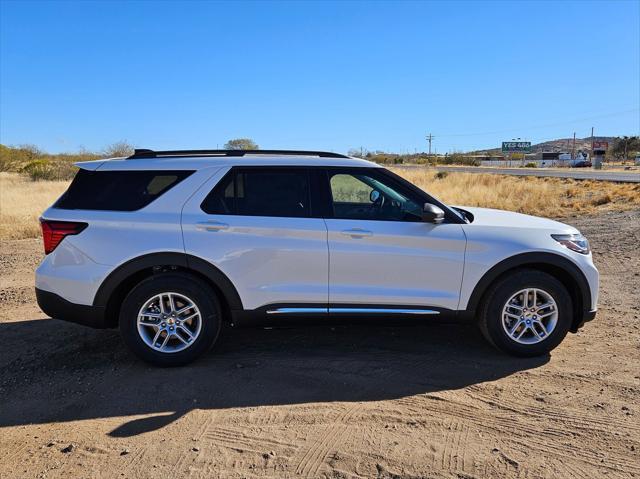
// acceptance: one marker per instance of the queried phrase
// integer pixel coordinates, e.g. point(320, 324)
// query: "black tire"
point(490, 313)
point(184, 284)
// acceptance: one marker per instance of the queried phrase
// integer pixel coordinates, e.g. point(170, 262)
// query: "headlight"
point(577, 243)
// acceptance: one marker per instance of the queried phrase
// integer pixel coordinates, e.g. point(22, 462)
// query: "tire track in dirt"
point(528, 439)
point(133, 461)
point(180, 463)
point(314, 457)
point(14, 453)
point(572, 456)
point(578, 421)
point(329, 441)
point(454, 450)
point(231, 435)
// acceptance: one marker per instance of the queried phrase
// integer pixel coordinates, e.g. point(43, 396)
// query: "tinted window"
point(258, 192)
point(117, 190)
point(369, 197)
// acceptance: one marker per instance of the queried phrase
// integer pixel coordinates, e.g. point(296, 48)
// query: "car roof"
point(201, 162)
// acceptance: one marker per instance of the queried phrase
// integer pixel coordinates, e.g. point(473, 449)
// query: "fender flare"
point(181, 260)
point(539, 260)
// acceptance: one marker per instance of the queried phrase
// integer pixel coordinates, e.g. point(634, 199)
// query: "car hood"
point(509, 219)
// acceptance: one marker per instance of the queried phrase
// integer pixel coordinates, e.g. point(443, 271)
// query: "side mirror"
point(432, 214)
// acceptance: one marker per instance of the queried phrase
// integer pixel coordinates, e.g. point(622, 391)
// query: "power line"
point(604, 115)
point(429, 138)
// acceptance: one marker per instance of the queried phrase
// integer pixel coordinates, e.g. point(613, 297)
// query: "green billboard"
point(516, 146)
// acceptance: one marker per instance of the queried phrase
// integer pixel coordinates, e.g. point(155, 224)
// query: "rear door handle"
point(357, 233)
point(211, 225)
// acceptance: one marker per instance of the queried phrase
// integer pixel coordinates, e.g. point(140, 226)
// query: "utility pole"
point(429, 138)
point(591, 155)
point(573, 148)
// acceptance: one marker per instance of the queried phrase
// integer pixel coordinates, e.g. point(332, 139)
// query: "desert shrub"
point(531, 165)
point(384, 158)
point(441, 175)
point(420, 160)
point(6, 164)
point(39, 170)
point(13, 158)
point(602, 200)
point(39, 165)
point(543, 197)
point(458, 159)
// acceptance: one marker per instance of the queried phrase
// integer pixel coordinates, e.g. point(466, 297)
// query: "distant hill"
point(559, 145)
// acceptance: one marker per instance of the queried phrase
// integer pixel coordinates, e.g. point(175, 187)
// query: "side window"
point(349, 189)
point(122, 190)
point(368, 197)
point(221, 200)
point(261, 192)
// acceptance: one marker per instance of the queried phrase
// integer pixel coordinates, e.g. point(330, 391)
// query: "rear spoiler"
point(90, 165)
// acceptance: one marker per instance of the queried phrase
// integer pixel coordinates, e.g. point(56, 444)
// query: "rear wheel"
point(527, 313)
point(170, 319)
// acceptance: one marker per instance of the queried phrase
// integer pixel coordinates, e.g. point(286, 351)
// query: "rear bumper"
point(59, 308)
point(588, 315)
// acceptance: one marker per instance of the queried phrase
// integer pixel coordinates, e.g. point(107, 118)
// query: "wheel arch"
point(117, 285)
point(557, 266)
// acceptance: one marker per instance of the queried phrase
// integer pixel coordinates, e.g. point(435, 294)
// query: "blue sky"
point(325, 75)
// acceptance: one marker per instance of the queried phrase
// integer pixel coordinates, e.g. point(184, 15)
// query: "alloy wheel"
point(169, 322)
point(530, 316)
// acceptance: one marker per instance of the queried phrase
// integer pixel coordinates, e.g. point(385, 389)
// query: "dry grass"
point(22, 201)
point(551, 197)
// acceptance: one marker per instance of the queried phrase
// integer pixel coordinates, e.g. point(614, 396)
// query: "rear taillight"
point(53, 232)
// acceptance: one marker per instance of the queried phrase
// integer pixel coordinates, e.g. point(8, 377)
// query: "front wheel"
point(170, 319)
point(526, 313)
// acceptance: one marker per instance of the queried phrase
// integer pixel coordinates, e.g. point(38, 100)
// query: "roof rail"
point(144, 153)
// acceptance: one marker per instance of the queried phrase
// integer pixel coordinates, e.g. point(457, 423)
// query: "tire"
point(193, 331)
point(539, 329)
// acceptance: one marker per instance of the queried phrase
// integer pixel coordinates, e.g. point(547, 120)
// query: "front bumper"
point(59, 308)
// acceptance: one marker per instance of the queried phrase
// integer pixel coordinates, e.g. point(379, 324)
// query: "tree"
point(625, 146)
point(241, 144)
point(117, 149)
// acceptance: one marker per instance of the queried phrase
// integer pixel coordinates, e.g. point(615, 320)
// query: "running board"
point(351, 311)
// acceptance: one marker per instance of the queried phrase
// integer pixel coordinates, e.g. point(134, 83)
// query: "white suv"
point(170, 245)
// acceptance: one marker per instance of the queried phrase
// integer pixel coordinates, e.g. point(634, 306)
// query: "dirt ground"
point(351, 402)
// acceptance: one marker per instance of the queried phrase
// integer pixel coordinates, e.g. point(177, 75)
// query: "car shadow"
point(51, 371)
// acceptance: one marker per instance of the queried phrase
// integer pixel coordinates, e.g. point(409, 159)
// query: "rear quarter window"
point(118, 190)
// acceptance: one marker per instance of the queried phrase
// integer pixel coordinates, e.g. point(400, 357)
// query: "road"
point(615, 176)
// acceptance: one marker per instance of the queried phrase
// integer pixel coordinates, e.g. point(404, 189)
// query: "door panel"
point(392, 262)
point(380, 250)
point(268, 259)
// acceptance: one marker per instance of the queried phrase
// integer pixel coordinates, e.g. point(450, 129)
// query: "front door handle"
point(211, 225)
point(357, 233)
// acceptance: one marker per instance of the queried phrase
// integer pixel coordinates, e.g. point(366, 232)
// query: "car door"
point(257, 226)
point(380, 250)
